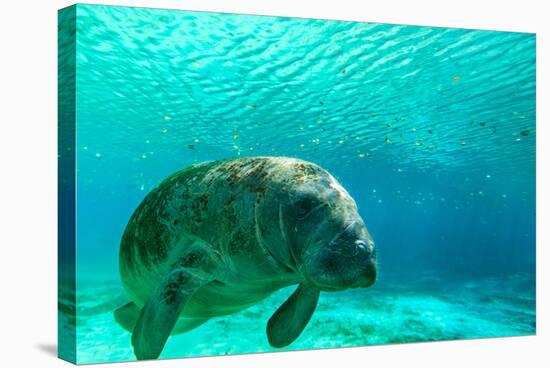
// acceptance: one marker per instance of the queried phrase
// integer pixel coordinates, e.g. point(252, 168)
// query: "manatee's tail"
point(127, 316)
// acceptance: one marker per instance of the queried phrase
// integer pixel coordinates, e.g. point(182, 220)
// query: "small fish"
point(235, 135)
point(191, 146)
point(456, 78)
point(430, 131)
point(482, 124)
point(525, 132)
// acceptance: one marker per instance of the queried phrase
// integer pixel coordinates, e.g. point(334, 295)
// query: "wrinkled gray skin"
point(219, 237)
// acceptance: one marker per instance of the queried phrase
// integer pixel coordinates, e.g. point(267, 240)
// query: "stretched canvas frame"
point(495, 282)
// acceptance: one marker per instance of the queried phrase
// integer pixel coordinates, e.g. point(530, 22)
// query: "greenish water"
point(431, 130)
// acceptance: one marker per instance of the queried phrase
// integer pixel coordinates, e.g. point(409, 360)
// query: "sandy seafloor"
point(426, 310)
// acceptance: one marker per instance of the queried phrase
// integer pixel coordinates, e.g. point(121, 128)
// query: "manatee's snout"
point(357, 247)
point(348, 260)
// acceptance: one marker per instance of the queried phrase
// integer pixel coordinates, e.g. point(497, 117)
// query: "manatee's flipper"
point(161, 312)
point(127, 316)
point(288, 322)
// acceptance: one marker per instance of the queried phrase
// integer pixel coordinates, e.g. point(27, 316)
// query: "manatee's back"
point(210, 201)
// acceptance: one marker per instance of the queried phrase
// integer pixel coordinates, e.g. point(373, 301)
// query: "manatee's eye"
point(303, 207)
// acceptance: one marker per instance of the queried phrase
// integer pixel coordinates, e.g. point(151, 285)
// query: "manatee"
point(218, 237)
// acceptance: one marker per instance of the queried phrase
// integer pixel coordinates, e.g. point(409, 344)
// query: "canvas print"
point(235, 184)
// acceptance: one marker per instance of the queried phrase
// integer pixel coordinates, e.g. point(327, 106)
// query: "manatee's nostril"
point(360, 244)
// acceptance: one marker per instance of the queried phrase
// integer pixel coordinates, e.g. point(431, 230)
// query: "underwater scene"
point(424, 136)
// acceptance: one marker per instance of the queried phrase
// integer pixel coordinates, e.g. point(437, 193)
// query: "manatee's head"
point(333, 247)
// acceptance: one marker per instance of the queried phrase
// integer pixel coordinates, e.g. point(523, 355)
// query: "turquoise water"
point(431, 130)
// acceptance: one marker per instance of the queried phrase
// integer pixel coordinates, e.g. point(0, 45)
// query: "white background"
point(28, 159)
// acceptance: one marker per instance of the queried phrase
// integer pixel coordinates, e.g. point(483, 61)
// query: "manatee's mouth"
point(359, 279)
point(328, 287)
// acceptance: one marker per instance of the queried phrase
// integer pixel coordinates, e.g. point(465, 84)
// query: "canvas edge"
point(66, 245)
